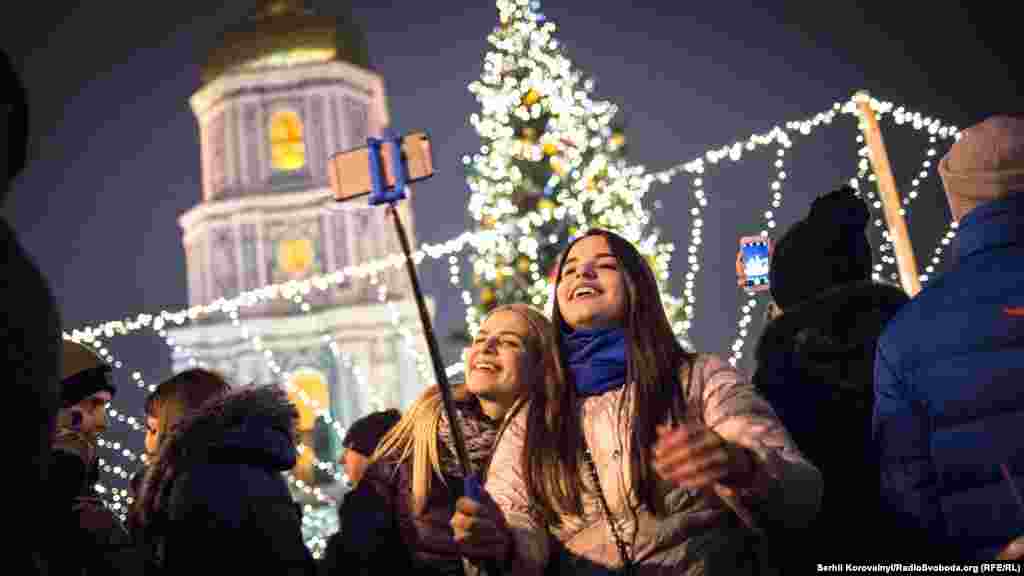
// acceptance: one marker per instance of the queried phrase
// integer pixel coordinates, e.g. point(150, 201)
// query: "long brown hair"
point(654, 358)
point(180, 394)
point(415, 437)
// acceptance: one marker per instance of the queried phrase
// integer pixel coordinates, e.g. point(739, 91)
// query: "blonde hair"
point(415, 436)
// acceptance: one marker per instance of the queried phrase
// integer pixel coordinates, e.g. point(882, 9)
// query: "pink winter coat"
point(700, 534)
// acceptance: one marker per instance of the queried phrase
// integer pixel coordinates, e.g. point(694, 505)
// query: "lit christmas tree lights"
point(551, 165)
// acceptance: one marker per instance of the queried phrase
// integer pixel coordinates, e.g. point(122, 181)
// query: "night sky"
point(115, 157)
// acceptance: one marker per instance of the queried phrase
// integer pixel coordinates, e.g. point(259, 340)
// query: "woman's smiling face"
point(591, 290)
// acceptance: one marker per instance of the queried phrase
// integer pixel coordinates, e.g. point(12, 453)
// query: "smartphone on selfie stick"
point(366, 171)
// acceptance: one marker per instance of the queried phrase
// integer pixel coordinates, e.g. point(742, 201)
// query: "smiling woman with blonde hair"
point(406, 497)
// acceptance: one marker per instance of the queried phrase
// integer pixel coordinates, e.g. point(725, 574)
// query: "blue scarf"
point(597, 359)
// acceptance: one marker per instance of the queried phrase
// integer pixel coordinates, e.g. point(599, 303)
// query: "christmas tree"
point(551, 165)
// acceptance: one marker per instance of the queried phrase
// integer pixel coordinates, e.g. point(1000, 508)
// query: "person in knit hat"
point(815, 359)
point(949, 371)
point(89, 531)
point(362, 438)
point(85, 377)
point(85, 391)
point(829, 248)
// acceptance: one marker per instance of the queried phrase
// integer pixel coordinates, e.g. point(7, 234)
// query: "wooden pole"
point(890, 196)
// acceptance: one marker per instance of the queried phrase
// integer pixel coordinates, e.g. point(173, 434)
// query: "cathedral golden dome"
point(284, 32)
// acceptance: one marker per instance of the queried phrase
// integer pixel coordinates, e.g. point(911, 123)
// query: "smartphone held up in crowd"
point(753, 263)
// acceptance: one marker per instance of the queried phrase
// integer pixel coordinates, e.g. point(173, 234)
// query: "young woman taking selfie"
point(650, 460)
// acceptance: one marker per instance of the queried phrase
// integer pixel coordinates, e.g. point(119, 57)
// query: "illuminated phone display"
point(755, 260)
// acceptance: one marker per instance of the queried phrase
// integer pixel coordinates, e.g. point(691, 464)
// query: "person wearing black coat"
point(815, 363)
point(30, 367)
point(90, 538)
point(359, 444)
point(215, 498)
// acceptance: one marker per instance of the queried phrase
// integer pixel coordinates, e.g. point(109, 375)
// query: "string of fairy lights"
point(887, 260)
point(635, 180)
point(117, 495)
point(321, 412)
point(319, 521)
point(734, 153)
point(746, 312)
point(937, 131)
point(114, 416)
point(477, 239)
point(480, 239)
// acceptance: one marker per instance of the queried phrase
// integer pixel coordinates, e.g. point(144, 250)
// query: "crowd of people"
point(876, 427)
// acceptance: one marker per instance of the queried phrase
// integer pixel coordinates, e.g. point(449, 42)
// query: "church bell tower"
point(280, 94)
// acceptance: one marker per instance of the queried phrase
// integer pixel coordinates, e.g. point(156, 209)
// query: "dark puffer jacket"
point(83, 551)
point(30, 348)
point(949, 420)
point(815, 367)
point(380, 532)
point(215, 497)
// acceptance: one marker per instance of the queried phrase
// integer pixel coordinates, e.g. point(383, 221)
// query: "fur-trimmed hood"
point(251, 425)
point(832, 337)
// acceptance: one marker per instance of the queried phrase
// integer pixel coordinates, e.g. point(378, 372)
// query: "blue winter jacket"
point(949, 385)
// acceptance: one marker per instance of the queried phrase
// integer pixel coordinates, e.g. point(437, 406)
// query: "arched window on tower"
point(287, 143)
point(309, 393)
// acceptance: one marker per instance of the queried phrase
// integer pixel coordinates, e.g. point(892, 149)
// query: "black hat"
point(366, 432)
point(828, 248)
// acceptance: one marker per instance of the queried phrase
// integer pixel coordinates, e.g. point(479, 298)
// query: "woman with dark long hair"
point(651, 460)
point(164, 408)
point(214, 497)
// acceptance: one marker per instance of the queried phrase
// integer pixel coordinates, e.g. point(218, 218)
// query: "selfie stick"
point(391, 195)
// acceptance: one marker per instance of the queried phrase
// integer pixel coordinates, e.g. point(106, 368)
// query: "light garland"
point(476, 239)
point(744, 321)
point(936, 131)
point(746, 312)
point(318, 522)
point(580, 140)
point(695, 167)
point(493, 240)
point(934, 127)
point(116, 448)
point(256, 343)
point(944, 240)
point(314, 532)
point(271, 292)
point(116, 499)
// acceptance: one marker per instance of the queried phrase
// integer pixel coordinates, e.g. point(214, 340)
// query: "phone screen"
point(756, 256)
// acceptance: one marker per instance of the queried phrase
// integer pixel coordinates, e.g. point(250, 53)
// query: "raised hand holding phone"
point(753, 263)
